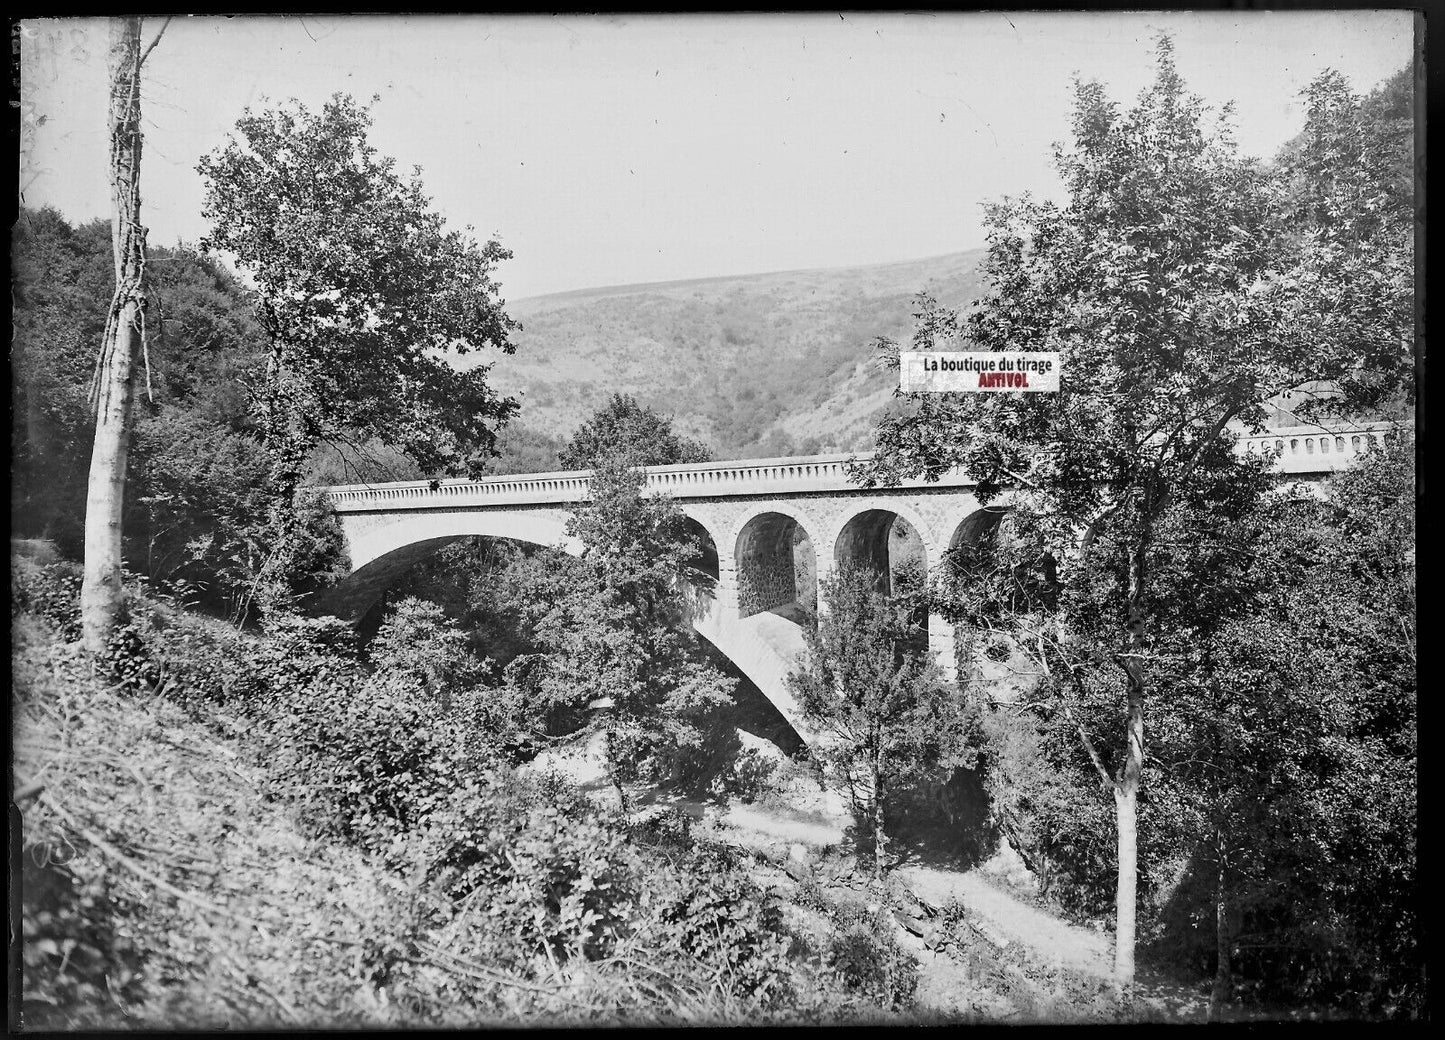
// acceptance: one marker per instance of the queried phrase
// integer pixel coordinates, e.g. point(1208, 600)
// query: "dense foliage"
point(1183, 285)
point(614, 627)
point(197, 499)
point(361, 296)
point(883, 712)
point(624, 429)
point(359, 289)
point(481, 895)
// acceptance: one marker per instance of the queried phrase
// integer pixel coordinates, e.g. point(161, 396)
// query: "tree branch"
point(147, 52)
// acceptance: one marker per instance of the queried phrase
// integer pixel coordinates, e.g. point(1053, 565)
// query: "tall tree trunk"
point(1126, 808)
point(1126, 787)
point(879, 841)
point(1219, 995)
point(100, 596)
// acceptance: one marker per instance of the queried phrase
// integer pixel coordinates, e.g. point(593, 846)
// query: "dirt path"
point(818, 822)
point(1046, 937)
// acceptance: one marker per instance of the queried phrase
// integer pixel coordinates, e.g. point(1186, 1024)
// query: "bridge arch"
point(886, 538)
point(707, 559)
point(776, 565)
point(380, 555)
point(546, 527)
point(978, 528)
point(890, 540)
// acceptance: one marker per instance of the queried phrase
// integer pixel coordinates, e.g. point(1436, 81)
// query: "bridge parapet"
point(1300, 450)
point(1316, 449)
point(760, 477)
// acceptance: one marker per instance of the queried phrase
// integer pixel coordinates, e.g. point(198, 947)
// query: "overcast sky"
point(609, 150)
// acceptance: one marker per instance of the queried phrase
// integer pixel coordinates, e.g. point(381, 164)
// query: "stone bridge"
point(771, 529)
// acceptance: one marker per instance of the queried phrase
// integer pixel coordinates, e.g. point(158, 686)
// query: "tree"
point(1286, 760)
point(1348, 230)
point(624, 429)
point(876, 695)
point(113, 390)
point(1180, 297)
point(615, 629)
point(63, 279)
point(419, 644)
point(360, 292)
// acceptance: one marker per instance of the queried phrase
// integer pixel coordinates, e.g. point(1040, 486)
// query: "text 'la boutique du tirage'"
point(938, 371)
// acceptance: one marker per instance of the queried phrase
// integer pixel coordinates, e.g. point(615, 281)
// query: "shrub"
point(417, 641)
point(750, 775)
point(716, 915)
point(80, 973)
point(363, 758)
point(51, 590)
point(865, 954)
point(554, 882)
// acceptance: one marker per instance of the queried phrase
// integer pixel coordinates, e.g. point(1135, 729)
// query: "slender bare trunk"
point(100, 596)
point(1126, 787)
point(1126, 807)
point(1220, 994)
point(879, 841)
point(613, 772)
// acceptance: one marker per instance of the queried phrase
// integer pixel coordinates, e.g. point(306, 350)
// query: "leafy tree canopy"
point(880, 703)
point(625, 430)
point(1183, 285)
point(614, 627)
point(360, 290)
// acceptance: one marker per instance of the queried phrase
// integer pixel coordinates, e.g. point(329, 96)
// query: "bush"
point(554, 882)
point(80, 973)
point(865, 954)
point(750, 775)
point(364, 759)
point(51, 590)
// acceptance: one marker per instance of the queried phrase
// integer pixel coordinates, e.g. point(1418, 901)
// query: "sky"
point(610, 150)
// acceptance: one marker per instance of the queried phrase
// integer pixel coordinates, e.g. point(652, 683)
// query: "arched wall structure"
point(771, 562)
point(776, 528)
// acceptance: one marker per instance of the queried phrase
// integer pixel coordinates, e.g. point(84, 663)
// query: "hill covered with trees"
point(754, 365)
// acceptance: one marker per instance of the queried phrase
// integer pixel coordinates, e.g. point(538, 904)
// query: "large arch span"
point(764, 648)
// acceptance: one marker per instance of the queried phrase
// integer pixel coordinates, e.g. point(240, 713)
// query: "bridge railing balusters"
point(1297, 450)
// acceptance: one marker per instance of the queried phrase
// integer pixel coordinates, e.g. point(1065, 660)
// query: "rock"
point(909, 922)
point(798, 853)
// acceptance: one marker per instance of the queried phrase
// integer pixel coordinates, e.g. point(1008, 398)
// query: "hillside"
point(754, 365)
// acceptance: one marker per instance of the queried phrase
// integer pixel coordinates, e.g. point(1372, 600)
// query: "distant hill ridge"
point(570, 295)
point(755, 365)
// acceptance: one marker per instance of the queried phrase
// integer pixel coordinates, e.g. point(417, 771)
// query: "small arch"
point(776, 567)
point(882, 541)
point(706, 559)
point(978, 527)
point(886, 543)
